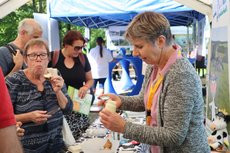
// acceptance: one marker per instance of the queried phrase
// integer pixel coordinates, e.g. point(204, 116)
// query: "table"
point(96, 135)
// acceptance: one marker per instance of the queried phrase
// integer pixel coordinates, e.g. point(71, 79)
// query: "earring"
point(174, 47)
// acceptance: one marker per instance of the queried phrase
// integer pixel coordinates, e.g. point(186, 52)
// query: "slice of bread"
point(50, 72)
point(108, 145)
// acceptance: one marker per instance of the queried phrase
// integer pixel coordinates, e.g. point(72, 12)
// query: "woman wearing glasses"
point(76, 72)
point(33, 99)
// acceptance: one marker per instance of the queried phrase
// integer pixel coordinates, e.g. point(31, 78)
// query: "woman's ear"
point(161, 41)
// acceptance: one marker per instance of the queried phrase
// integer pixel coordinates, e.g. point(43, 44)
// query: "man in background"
point(11, 58)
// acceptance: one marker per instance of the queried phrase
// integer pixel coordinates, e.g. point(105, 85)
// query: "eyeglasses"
point(78, 48)
point(34, 56)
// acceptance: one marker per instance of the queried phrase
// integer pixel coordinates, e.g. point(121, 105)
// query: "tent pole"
point(194, 36)
point(48, 23)
point(188, 41)
point(87, 32)
point(87, 35)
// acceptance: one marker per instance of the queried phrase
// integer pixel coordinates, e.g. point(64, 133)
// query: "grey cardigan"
point(180, 115)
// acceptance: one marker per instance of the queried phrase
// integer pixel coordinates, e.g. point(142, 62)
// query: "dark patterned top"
point(47, 137)
point(180, 115)
point(75, 77)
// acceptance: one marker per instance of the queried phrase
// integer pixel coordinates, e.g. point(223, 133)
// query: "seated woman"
point(39, 103)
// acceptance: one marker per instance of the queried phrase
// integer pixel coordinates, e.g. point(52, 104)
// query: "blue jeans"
point(101, 82)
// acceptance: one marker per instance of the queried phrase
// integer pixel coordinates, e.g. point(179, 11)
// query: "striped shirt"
point(47, 137)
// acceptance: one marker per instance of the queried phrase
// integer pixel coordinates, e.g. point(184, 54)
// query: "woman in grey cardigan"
point(171, 93)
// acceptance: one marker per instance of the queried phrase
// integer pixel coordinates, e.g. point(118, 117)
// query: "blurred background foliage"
point(8, 25)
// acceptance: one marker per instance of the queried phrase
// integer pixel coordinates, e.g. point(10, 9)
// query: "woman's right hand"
point(39, 117)
point(113, 97)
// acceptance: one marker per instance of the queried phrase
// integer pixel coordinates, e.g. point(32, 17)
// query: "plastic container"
point(111, 106)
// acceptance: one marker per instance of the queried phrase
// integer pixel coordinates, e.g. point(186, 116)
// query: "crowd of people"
point(34, 106)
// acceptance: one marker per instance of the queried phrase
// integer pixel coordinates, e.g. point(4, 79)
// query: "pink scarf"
point(154, 108)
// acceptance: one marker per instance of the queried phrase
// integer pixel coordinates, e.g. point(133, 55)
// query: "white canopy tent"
point(8, 6)
point(105, 13)
point(202, 6)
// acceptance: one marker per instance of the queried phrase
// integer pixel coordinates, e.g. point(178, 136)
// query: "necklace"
point(152, 92)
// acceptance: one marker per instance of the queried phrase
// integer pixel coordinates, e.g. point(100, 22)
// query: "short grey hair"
point(36, 42)
point(149, 26)
point(29, 25)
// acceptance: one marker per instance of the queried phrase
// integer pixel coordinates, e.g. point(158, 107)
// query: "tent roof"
point(7, 6)
point(105, 13)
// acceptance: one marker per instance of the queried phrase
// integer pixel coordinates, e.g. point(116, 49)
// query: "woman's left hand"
point(57, 83)
point(82, 92)
point(112, 121)
point(20, 131)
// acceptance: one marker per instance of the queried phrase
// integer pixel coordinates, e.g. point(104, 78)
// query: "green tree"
point(94, 34)
point(8, 25)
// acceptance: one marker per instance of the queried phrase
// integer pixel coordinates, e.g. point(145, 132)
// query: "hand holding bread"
point(50, 72)
point(56, 80)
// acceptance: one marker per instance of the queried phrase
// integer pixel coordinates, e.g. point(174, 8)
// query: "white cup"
point(111, 106)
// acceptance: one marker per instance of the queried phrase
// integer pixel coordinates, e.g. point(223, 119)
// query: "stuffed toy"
point(218, 140)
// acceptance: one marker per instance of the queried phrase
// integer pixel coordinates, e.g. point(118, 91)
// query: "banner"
point(218, 101)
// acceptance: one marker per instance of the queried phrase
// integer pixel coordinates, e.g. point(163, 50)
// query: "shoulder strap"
point(11, 49)
point(55, 57)
point(82, 59)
